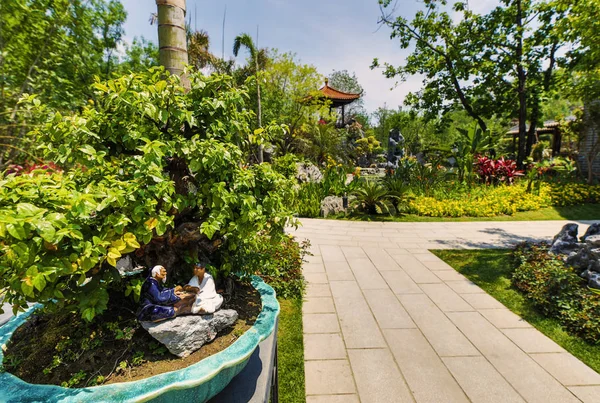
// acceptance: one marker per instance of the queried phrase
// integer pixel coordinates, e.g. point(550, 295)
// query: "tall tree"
point(172, 41)
point(246, 41)
point(287, 83)
point(344, 81)
point(483, 62)
point(52, 50)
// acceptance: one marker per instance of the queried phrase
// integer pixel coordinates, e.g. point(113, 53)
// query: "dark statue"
point(395, 148)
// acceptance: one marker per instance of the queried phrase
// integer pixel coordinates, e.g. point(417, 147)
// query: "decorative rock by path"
point(385, 320)
point(583, 256)
point(185, 334)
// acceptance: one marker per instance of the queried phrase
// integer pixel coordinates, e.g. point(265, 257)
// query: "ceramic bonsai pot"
point(197, 383)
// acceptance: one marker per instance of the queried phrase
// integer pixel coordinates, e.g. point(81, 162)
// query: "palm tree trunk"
point(172, 40)
point(261, 148)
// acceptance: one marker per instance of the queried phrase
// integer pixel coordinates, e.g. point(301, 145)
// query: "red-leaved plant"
point(494, 172)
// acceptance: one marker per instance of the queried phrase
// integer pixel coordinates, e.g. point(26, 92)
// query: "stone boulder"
point(592, 230)
point(583, 256)
point(308, 173)
point(185, 334)
point(592, 240)
point(566, 242)
point(332, 205)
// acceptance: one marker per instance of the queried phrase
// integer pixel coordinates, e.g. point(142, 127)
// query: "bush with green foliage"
point(307, 202)
point(480, 201)
point(279, 264)
point(557, 290)
point(286, 165)
point(145, 159)
point(373, 198)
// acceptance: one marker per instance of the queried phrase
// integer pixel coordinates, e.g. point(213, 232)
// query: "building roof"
point(548, 127)
point(337, 95)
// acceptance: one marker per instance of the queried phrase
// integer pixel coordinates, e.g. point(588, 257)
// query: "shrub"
point(308, 200)
point(570, 194)
point(557, 290)
point(146, 159)
point(494, 172)
point(286, 165)
point(401, 192)
point(373, 198)
point(279, 264)
point(334, 181)
point(481, 202)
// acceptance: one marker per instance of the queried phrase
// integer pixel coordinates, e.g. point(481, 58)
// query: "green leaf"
point(88, 314)
point(17, 231)
point(27, 287)
point(39, 282)
point(114, 253)
point(88, 149)
point(28, 209)
point(46, 231)
point(161, 228)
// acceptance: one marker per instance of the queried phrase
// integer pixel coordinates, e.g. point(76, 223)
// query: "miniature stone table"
point(258, 381)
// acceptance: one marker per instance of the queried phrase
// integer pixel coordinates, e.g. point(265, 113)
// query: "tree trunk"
point(521, 88)
point(535, 112)
point(532, 134)
point(261, 148)
point(172, 40)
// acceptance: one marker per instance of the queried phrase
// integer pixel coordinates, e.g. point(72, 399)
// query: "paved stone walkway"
point(385, 320)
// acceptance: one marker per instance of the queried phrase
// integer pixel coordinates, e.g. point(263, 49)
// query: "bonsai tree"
point(148, 170)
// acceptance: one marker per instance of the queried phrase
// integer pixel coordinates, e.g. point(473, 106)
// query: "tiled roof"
point(334, 94)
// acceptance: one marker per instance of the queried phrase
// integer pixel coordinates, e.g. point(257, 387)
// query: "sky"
point(329, 34)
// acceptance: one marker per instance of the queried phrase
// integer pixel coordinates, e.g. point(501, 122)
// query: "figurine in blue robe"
point(156, 302)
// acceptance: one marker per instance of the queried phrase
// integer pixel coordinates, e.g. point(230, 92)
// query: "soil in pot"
point(62, 349)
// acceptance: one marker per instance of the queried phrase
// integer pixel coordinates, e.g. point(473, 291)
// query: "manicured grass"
point(491, 270)
point(291, 351)
point(582, 212)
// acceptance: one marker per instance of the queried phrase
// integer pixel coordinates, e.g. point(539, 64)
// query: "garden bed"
point(62, 349)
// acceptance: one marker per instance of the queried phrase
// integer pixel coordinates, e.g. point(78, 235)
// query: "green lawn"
point(582, 212)
point(491, 270)
point(291, 352)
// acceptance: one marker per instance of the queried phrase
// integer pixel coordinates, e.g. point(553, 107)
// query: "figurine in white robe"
point(207, 300)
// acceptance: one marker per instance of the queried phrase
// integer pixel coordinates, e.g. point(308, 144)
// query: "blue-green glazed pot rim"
point(13, 388)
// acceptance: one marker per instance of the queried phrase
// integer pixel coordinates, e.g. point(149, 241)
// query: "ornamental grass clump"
point(148, 170)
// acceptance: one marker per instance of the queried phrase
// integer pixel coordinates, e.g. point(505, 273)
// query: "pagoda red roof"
point(337, 95)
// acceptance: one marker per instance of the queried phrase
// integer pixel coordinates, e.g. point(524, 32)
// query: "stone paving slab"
point(443, 335)
point(328, 377)
point(358, 325)
point(519, 369)
point(567, 369)
point(320, 323)
point(377, 376)
point(388, 311)
point(480, 380)
point(324, 347)
point(385, 320)
point(332, 399)
point(532, 341)
point(425, 373)
point(587, 394)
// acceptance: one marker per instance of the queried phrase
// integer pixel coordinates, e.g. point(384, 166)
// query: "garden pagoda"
point(338, 98)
